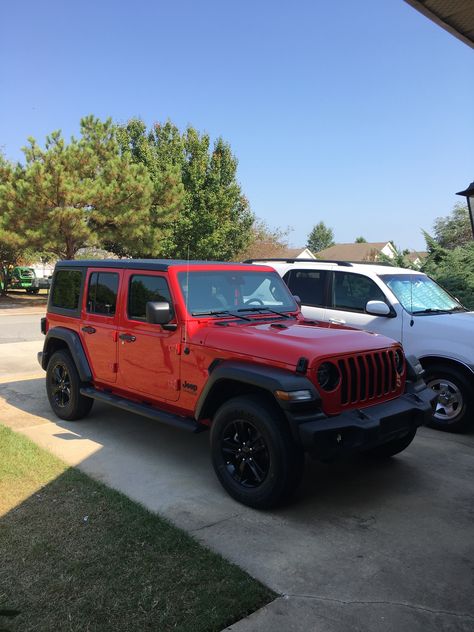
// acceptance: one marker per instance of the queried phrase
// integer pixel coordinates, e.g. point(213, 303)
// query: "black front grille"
point(368, 376)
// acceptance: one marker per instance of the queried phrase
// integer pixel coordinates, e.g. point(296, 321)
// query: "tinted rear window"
point(67, 289)
point(309, 285)
point(102, 297)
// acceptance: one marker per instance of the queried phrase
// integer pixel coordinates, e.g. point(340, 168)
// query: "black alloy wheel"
point(253, 452)
point(63, 386)
point(246, 453)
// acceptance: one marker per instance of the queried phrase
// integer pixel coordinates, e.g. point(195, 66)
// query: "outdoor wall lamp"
point(469, 195)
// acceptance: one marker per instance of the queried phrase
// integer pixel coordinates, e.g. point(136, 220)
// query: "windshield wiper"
point(430, 310)
point(220, 312)
point(263, 309)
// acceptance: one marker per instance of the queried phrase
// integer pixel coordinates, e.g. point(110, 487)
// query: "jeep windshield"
point(419, 294)
point(223, 293)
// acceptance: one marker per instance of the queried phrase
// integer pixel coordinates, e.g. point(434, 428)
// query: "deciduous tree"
point(211, 217)
point(265, 241)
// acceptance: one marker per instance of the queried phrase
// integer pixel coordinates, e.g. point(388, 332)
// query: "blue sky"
point(360, 114)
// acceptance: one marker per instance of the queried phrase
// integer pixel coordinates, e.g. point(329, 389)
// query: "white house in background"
point(366, 251)
point(42, 269)
point(297, 253)
point(264, 250)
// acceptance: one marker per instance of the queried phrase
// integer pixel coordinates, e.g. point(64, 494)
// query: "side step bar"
point(183, 423)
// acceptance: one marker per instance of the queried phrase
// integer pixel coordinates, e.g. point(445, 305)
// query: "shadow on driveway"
point(385, 537)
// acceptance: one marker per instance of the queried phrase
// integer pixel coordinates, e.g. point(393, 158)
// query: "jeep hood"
point(286, 345)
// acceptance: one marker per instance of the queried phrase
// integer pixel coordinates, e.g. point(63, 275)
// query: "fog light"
point(294, 396)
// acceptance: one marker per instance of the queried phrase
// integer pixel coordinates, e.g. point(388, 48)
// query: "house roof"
point(413, 256)
point(367, 251)
point(456, 17)
point(262, 250)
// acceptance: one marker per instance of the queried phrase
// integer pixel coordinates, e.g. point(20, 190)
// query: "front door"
point(149, 360)
point(350, 293)
point(99, 323)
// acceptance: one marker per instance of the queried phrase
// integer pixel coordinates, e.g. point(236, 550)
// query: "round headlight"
point(399, 361)
point(328, 376)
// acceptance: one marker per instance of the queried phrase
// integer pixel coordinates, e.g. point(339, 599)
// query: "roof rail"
point(301, 260)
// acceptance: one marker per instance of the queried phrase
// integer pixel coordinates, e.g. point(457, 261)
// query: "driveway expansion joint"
point(381, 602)
point(213, 524)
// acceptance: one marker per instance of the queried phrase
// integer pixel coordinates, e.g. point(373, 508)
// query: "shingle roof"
point(271, 251)
point(353, 252)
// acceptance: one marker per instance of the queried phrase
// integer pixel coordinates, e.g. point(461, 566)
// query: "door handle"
point(88, 330)
point(127, 337)
point(337, 321)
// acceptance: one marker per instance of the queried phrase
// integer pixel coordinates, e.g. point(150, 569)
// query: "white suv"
point(405, 305)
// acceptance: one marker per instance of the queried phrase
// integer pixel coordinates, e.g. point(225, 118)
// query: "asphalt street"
point(364, 546)
point(19, 327)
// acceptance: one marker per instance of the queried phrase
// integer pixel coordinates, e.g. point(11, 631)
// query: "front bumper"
point(361, 429)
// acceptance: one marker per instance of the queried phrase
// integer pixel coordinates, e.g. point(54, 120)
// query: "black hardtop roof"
point(141, 264)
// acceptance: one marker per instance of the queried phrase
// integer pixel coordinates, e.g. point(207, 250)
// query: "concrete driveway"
point(364, 546)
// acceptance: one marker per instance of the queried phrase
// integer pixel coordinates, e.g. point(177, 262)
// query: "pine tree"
point(85, 192)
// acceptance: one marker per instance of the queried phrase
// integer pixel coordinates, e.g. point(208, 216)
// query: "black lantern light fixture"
point(469, 195)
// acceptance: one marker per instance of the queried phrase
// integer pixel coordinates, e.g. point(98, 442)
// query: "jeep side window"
point(352, 291)
point(144, 288)
point(67, 289)
point(308, 285)
point(102, 294)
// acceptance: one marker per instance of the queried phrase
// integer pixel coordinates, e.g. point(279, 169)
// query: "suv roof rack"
point(301, 260)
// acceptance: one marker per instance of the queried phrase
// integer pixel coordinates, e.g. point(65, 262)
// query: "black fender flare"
point(74, 345)
point(266, 378)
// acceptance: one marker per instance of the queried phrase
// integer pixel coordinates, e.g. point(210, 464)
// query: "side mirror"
point(158, 312)
point(377, 308)
point(297, 299)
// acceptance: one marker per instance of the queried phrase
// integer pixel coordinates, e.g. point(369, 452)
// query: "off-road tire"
point(63, 388)
point(278, 457)
point(459, 416)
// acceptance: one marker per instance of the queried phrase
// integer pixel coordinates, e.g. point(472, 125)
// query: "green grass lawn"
point(76, 555)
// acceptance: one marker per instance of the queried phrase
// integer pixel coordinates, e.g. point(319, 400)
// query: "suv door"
point(99, 322)
point(149, 361)
point(311, 286)
point(349, 294)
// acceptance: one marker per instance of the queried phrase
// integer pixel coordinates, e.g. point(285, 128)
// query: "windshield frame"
point(427, 311)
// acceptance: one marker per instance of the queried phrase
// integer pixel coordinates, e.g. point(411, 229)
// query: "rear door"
point(149, 360)
point(99, 322)
point(311, 286)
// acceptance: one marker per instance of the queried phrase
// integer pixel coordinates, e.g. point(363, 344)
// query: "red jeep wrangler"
point(224, 346)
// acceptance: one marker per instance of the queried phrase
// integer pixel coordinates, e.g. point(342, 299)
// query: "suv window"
point(67, 289)
point(102, 295)
point(144, 288)
point(352, 291)
point(308, 285)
